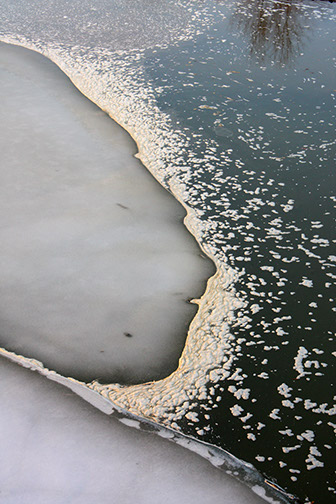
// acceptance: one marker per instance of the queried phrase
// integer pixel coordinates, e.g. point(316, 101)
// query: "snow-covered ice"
point(57, 449)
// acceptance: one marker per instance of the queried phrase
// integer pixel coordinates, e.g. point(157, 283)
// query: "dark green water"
point(257, 92)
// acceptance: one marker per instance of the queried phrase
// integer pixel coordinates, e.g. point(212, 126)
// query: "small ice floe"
point(288, 449)
point(312, 461)
point(260, 458)
point(287, 432)
point(236, 410)
point(274, 414)
point(298, 361)
point(285, 390)
point(308, 435)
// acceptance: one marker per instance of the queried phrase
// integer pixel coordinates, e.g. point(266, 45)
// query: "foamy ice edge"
point(218, 457)
point(223, 460)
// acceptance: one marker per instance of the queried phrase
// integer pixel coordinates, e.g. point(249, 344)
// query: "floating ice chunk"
point(93, 260)
point(298, 361)
point(285, 390)
point(274, 414)
point(236, 410)
point(309, 435)
point(312, 461)
point(288, 449)
point(306, 282)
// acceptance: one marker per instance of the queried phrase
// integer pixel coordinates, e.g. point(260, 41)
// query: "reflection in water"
point(275, 29)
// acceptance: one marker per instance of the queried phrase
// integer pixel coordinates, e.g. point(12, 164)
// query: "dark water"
point(252, 93)
point(258, 91)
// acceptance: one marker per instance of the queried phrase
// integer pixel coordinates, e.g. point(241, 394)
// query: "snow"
point(59, 449)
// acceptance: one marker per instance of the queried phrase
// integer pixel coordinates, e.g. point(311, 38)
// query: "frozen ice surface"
point(57, 449)
point(95, 264)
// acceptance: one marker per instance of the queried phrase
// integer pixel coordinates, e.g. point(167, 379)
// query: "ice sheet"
point(59, 449)
point(94, 258)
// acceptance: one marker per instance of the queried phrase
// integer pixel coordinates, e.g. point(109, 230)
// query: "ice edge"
point(218, 457)
point(223, 460)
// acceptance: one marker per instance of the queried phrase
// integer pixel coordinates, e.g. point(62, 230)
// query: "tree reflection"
point(275, 28)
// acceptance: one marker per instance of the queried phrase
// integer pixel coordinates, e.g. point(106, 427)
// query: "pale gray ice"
point(96, 267)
